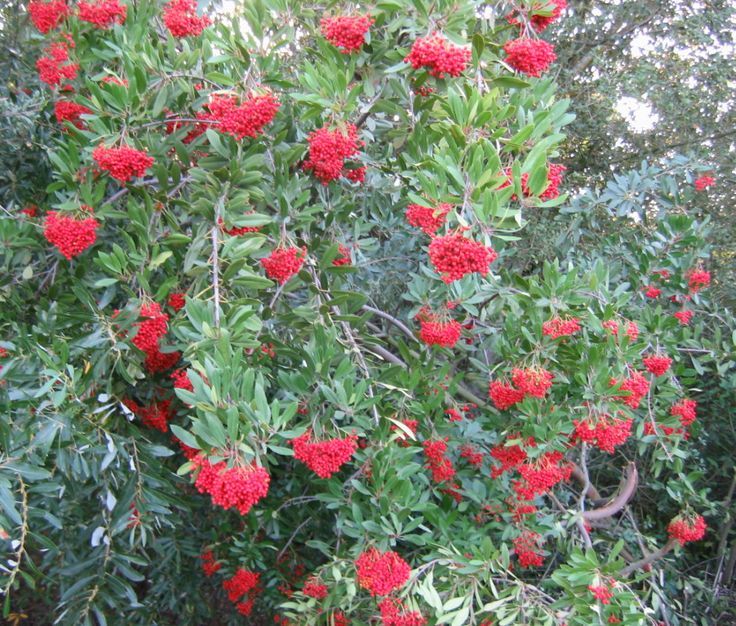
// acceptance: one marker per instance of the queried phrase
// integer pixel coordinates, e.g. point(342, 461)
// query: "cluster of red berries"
point(453, 415)
point(560, 327)
point(155, 415)
point(703, 182)
point(657, 364)
point(555, 175)
point(436, 330)
point(177, 301)
point(181, 380)
point(55, 67)
point(393, 613)
point(346, 32)
point(67, 111)
point(504, 395)
point(632, 330)
point(71, 236)
point(209, 563)
point(343, 256)
point(244, 582)
point(356, 174)
point(653, 428)
point(328, 150)
point(429, 219)
point(472, 455)
point(246, 118)
point(540, 15)
point(697, 279)
point(541, 474)
point(47, 15)
point(315, 589)
point(683, 317)
point(519, 510)
point(424, 90)
point(441, 467)
point(532, 381)
point(238, 487)
point(283, 263)
point(122, 163)
point(103, 13)
point(687, 528)
point(180, 17)
point(381, 572)
point(194, 130)
point(602, 593)
point(604, 431)
point(412, 425)
point(529, 56)
point(148, 338)
point(238, 231)
point(439, 56)
point(637, 385)
point(324, 458)
point(510, 456)
point(685, 410)
point(30, 211)
point(454, 256)
point(157, 361)
point(652, 292)
point(526, 549)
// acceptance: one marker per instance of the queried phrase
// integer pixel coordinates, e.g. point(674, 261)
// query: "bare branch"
point(626, 492)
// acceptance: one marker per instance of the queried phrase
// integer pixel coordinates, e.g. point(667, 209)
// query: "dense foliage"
point(278, 343)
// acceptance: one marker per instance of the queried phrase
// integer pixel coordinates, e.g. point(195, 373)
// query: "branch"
point(398, 323)
point(578, 475)
point(385, 354)
point(650, 558)
point(581, 500)
point(22, 541)
point(626, 492)
point(364, 116)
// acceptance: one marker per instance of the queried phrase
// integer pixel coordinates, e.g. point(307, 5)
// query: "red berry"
point(71, 236)
point(657, 364)
point(439, 56)
point(238, 487)
point(67, 111)
point(122, 163)
point(381, 572)
point(702, 183)
point(328, 150)
point(283, 263)
point(454, 256)
point(686, 528)
point(55, 67)
point(47, 15)
point(181, 19)
point(529, 56)
point(102, 14)
point(346, 32)
point(324, 458)
point(429, 219)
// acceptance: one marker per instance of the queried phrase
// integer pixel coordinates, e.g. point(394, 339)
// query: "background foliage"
point(100, 521)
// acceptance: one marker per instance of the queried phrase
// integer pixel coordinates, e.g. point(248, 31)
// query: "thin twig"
point(215, 256)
